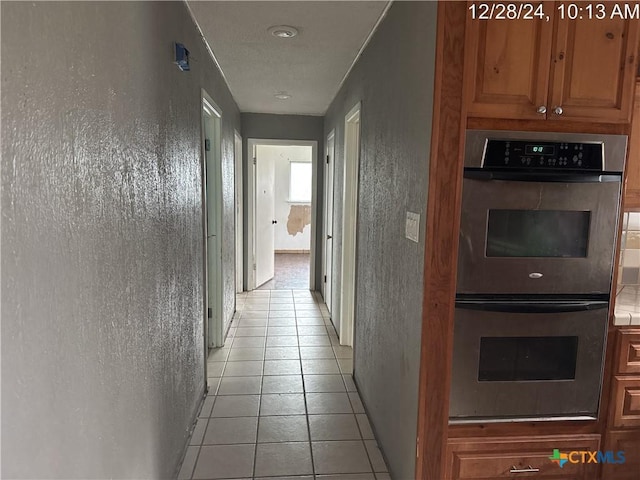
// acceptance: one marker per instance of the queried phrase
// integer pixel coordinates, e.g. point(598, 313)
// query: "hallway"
point(281, 399)
point(291, 272)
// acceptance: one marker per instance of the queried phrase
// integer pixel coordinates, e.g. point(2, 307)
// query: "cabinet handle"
point(558, 110)
point(529, 469)
point(542, 109)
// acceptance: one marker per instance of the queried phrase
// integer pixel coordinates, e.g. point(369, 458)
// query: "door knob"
point(273, 222)
point(558, 110)
point(542, 109)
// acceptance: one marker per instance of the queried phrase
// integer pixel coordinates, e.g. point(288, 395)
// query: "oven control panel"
point(528, 155)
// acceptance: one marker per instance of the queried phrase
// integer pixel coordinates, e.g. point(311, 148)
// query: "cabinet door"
point(629, 351)
point(507, 66)
point(629, 443)
point(632, 189)
point(626, 407)
point(593, 68)
point(526, 457)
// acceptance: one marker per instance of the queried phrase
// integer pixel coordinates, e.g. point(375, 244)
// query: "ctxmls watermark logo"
point(582, 456)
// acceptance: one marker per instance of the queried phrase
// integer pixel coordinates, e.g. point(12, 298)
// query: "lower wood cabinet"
point(519, 457)
point(629, 340)
point(629, 443)
point(623, 433)
point(626, 407)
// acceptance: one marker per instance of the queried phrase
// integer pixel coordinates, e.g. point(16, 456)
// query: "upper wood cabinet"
point(632, 187)
point(580, 70)
point(507, 66)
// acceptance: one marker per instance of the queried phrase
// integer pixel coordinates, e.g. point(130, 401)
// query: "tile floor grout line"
point(306, 405)
point(195, 462)
point(264, 359)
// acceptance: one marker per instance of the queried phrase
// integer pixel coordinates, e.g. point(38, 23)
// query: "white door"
point(264, 218)
point(239, 218)
point(328, 221)
point(213, 210)
point(349, 222)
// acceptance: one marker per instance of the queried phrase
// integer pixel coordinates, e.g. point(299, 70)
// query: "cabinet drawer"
point(626, 408)
point(629, 351)
point(512, 457)
point(629, 443)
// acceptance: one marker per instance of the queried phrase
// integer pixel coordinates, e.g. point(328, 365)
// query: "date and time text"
point(568, 11)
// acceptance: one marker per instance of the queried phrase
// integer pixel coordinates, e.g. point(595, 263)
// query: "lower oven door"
point(527, 360)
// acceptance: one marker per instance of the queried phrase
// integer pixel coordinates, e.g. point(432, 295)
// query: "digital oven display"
point(540, 149)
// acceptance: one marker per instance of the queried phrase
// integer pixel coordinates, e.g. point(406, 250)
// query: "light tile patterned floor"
point(282, 403)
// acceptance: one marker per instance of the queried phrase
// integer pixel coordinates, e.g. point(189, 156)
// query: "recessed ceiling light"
point(282, 96)
point(283, 31)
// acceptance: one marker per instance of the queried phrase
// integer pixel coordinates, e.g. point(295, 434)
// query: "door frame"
point(239, 205)
point(325, 219)
point(252, 144)
point(349, 224)
point(213, 327)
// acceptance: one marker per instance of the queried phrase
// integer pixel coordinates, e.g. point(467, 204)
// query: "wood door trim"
point(475, 123)
point(441, 246)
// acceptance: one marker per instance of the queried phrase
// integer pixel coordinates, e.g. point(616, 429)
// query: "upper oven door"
point(537, 237)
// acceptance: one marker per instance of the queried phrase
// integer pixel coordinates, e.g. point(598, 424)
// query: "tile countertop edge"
point(627, 307)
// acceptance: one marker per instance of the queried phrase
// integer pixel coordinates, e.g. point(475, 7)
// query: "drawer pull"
point(529, 469)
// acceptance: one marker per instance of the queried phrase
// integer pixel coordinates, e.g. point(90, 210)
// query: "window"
point(300, 182)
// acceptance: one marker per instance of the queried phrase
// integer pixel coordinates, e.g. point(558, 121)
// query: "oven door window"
point(513, 359)
point(537, 233)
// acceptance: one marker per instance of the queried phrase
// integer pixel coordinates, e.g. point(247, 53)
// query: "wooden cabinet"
point(579, 70)
point(518, 457)
point(507, 67)
point(623, 434)
point(629, 352)
point(594, 68)
point(626, 409)
point(629, 443)
point(632, 188)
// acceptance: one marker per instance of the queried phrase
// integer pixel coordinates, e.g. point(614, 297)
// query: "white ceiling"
point(309, 66)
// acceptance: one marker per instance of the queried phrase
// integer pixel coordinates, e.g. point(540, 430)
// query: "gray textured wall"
point(394, 81)
point(102, 336)
point(287, 127)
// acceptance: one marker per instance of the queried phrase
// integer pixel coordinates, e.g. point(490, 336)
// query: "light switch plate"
point(412, 226)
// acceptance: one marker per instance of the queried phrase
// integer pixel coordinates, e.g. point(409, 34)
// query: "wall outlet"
point(412, 227)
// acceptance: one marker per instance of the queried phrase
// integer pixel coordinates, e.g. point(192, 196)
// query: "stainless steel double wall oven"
point(537, 243)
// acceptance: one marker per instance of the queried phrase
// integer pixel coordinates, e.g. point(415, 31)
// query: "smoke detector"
point(283, 31)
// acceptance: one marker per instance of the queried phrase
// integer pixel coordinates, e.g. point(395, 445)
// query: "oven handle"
point(480, 174)
point(531, 307)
